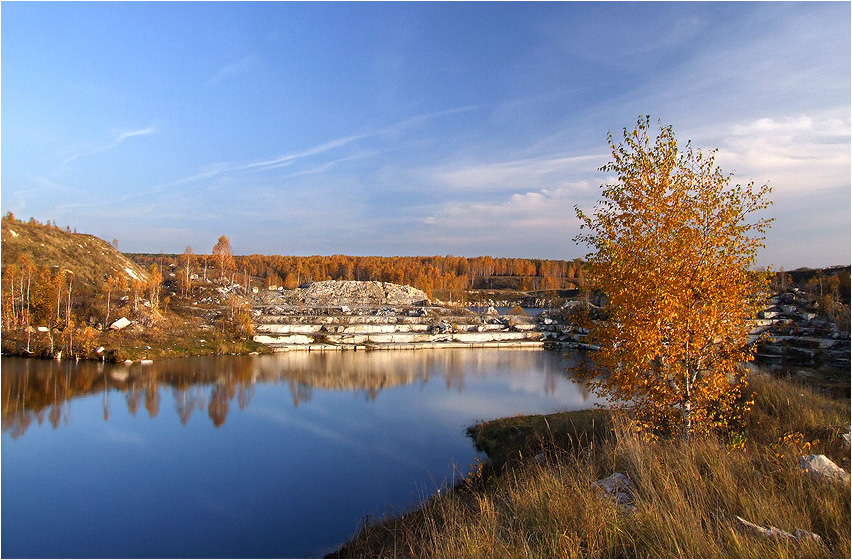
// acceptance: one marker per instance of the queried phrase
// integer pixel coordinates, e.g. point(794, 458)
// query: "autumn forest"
point(426, 273)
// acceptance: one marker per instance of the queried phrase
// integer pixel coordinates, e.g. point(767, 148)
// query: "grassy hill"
point(90, 258)
point(45, 314)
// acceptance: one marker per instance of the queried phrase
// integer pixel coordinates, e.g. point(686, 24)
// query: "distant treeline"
point(426, 273)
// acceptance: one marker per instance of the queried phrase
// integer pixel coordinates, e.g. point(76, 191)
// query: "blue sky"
point(410, 128)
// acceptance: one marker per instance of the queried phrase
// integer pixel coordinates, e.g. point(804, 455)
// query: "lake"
point(281, 455)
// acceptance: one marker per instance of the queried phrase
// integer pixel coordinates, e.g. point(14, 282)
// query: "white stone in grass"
point(821, 466)
point(777, 534)
point(120, 324)
point(618, 488)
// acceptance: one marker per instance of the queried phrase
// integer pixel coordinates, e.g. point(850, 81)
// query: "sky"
point(411, 128)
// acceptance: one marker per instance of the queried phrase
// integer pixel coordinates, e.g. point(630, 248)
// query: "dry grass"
point(686, 494)
point(90, 258)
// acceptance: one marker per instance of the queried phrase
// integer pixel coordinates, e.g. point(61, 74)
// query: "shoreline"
point(319, 347)
point(537, 495)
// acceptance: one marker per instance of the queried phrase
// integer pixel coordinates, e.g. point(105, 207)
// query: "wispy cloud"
point(288, 159)
point(515, 174)
point(118, 138)
point(131, 133)
point(322, 168)
point(291, 158)
point(47, 183)
point(224, 168)
point(242, 66)
point(391, 129)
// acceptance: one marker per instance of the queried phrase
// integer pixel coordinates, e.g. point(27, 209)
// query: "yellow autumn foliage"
point(674, 246)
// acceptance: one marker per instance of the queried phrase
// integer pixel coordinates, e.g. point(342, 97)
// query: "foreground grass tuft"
point(536, 497)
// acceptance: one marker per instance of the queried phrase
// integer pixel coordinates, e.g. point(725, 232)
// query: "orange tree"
point(674, 249)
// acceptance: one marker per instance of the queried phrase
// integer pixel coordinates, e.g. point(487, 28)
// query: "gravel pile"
point(351, 292)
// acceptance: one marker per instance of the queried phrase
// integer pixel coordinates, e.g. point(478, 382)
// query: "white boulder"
point(120, 324)
point(821, 466)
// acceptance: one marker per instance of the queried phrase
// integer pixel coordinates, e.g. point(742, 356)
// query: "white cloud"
point(794, 154)
point(538, 223)
point(118, 138)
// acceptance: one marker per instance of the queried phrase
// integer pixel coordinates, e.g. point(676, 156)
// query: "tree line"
point(426, 273)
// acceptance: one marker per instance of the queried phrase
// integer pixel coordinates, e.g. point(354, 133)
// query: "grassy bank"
point(535, 496)
point(172, 338)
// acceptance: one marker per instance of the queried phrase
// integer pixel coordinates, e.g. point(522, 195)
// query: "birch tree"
point(187, 264)
point(223, 255)
point(674, 246)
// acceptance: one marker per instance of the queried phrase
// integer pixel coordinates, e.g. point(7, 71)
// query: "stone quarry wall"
point(351, 314)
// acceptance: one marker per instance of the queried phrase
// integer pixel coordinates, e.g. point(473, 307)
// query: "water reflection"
point(246, 457)
point(38, 390)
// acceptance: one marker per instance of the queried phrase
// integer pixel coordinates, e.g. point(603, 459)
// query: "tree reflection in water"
point(37, 389)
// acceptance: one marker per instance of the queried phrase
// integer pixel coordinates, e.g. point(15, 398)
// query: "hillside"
point(90, 258)
point(74, 294)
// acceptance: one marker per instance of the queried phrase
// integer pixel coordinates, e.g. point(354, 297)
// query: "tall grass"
point(686, 495)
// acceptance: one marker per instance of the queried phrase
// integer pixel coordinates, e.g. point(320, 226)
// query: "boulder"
point(120, 324)
point(821, 466)
point(618, 488)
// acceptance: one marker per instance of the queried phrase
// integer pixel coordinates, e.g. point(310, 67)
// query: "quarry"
point(339, 315)
point(362, 315)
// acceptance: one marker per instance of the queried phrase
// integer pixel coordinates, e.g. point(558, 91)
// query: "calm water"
point(239, 456)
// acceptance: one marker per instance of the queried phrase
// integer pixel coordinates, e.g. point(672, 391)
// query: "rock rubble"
point(357, 293)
